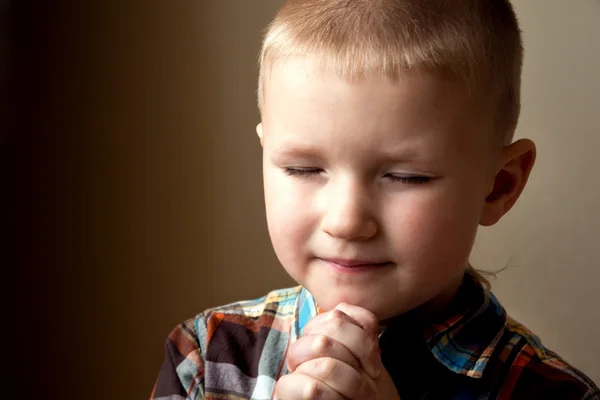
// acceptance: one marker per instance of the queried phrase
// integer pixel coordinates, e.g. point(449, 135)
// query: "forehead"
point(301, 95)
point(308, 73)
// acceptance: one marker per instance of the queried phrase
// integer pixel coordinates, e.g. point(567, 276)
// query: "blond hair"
point(477, 42)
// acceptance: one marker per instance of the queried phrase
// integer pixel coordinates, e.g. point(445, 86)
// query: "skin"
point(374, 191)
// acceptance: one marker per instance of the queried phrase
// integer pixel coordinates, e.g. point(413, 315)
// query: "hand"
point(337, 358)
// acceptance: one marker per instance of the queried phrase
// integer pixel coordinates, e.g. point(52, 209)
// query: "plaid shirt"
point(474, 351)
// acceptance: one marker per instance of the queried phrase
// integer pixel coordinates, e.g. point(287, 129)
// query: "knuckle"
point(320, 344)
point(336, 324)
point(336, 314)
point(366, 318)
point(327, 367)
point(311, 391)
point(370, 321)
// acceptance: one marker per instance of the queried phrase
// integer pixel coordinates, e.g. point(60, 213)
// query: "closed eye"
point(409, 179)
point(302, 172)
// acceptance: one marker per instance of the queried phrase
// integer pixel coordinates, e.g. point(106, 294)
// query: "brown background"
point(139, 198)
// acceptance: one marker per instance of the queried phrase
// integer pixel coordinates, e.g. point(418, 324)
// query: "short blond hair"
point(476, 41)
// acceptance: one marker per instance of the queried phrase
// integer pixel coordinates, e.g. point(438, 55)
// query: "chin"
point(328, 300)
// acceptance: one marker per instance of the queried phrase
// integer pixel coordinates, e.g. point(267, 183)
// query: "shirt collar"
point(466, 337)
point(306, 309)
point(462, 340)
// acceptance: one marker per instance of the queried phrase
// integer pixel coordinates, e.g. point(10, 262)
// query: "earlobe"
point(509, 181)
point(259, 132)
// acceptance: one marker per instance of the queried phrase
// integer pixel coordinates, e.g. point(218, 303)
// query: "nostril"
point(353, 227)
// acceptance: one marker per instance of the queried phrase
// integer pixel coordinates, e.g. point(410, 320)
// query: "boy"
point(387, 132)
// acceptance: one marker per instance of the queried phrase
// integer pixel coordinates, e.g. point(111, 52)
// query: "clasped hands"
point(338, 357)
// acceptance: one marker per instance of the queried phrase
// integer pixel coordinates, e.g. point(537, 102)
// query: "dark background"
point(121, 183)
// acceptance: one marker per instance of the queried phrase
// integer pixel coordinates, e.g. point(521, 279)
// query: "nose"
point(348, 213)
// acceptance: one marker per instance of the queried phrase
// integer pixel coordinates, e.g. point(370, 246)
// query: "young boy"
point(387, 132)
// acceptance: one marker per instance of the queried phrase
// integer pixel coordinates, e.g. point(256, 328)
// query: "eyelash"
point(409, 180)
point(302, 172)
point(307, 172)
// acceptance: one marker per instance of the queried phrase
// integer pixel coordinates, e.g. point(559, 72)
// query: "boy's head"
point(385, 127)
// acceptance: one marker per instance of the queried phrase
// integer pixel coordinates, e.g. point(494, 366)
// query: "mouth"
point(354, 265)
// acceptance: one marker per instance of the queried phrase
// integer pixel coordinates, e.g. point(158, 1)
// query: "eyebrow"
point(400, 154)
point(296, 150)
point(403, 155)
point(296, 155)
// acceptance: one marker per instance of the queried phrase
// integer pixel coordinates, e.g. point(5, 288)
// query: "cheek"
point(288, 212)
point(437, 228)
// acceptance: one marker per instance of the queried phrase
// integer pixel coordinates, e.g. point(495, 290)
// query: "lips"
point(354, 263)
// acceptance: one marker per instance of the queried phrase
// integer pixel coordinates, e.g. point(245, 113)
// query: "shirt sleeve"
point(181, 375)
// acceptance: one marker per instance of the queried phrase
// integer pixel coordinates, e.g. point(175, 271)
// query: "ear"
point(259, 132)
point(509, 182)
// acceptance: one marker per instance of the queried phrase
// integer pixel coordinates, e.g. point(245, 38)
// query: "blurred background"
point(138, 198)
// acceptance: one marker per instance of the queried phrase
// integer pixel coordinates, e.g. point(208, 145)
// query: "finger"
point(365, 318)
point(365, 347)
point(326, 316)
point(369, 322)
point(340, 377)
point(317, 346)
point(386, 389)
point(298, 386)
